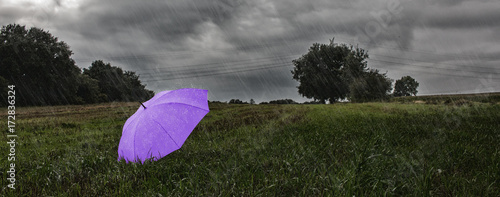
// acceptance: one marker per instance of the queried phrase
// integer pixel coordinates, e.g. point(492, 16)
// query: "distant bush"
point(283, 101)
point(225, 102)
point(237, 101)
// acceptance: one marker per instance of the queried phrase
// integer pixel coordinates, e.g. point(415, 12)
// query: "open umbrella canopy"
point(162, 124)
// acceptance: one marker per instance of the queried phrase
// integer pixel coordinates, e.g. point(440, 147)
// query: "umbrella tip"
point(142, 105)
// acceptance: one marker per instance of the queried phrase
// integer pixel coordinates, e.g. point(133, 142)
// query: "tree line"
point(44, 73)
point(41, 68)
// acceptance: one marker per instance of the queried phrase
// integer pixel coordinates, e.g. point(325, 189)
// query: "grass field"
point(370, 149)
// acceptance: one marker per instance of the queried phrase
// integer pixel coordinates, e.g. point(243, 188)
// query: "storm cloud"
point(243, 49)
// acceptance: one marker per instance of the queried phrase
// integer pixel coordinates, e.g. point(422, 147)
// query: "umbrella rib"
point(179, 104)
point(167, 133)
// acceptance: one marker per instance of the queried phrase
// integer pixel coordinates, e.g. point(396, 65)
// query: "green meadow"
point(370, 149)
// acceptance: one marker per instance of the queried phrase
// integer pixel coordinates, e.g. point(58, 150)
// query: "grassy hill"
point(265, 150)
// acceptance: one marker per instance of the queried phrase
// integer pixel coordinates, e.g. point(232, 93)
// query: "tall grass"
point(266, 150)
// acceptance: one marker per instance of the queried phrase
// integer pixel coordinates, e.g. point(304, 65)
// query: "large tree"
point(406, 86)
point(116, 84)
point(39, 65)
point(89, 91)
point(371, 86)
point(327, 70)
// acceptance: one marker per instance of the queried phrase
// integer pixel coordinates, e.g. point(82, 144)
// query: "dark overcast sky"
point(243, 49)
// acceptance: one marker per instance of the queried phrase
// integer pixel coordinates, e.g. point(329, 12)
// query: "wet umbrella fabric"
point(163, 126)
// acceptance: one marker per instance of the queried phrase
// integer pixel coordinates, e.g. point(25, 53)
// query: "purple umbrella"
point(162, 124)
